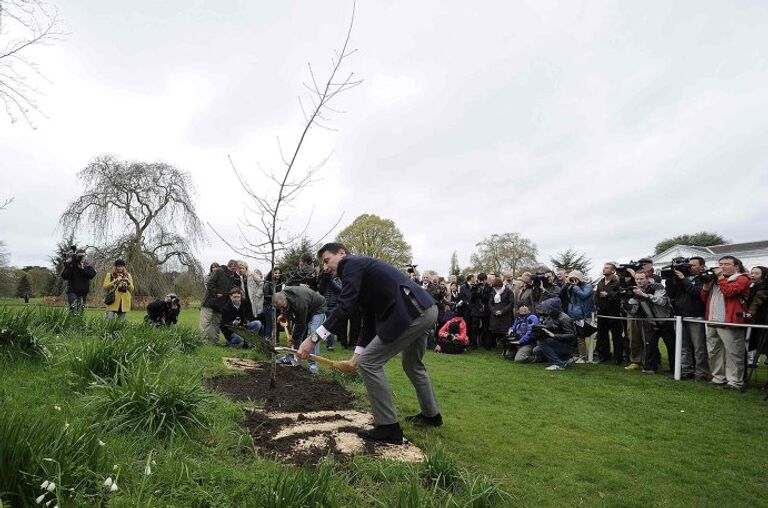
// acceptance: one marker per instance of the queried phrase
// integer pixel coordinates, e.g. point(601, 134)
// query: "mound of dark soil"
point(296, 390)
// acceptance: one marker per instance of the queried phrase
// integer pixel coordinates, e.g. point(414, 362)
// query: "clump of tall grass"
point(17, 334)
point(187, 340)
point(103, 357)
point(291, 488)
point(440, 469)
point(58, 320)
point(149, 398)
point(42, 448)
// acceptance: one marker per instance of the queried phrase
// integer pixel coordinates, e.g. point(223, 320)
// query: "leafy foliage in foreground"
point(17, 333)
point(44, 448)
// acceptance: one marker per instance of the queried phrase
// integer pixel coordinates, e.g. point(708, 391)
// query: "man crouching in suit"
point(397, 316)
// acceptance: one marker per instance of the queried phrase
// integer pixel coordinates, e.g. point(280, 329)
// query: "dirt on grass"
point(305, 418)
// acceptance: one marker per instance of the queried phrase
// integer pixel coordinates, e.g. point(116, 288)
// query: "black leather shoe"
point(430, 421)
point(391, 433)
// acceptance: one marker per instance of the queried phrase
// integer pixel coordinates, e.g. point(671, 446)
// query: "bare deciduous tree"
point(24, 25)
point(153, 202)
point(264, 238)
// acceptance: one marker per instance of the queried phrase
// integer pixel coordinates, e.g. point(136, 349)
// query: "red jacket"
point(735, 294)
point(460, 337)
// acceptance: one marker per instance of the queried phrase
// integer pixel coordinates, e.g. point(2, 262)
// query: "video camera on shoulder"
point(622, 270)
point(75, 255)
point(681, 264)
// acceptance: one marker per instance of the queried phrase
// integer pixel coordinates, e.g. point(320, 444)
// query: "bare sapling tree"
point(142, 211)
point(5, 203)
point(24, 25)
point(264, 236)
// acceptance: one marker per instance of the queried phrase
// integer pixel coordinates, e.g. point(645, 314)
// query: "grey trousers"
point(695, 358)
point(726, 348)
point(210, 322)
point(413, 344)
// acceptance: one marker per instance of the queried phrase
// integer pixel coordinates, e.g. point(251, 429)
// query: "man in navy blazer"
point(397, 316)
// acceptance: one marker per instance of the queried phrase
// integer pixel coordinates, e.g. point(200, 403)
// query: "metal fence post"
point(678, 347)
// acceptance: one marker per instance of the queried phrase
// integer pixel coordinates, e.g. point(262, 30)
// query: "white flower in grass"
point(101, 443)
point(45, 484)
point(48, 503)
point(147, 470)
point(114, 468)
point(108, 481)
point(57, 408)
point(66, 426)
point(113, 488)
point(51, 487)
point(39, 499)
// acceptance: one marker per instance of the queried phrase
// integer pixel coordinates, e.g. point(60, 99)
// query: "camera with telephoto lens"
point(538, 277)
point(410, 268)
point(680, 264)
point(622, 270)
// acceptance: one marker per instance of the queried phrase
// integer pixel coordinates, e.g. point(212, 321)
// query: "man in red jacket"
point(726, 302)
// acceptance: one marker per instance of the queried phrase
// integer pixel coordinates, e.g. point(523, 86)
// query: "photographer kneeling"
point(235, 313)
point(163, 312)
point(556, 336)
point(452, 337)
point(519, 343)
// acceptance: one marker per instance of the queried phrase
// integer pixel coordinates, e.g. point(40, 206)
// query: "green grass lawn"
point(593, 435)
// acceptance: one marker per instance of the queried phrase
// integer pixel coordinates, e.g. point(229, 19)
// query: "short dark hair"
point(235, 291)
point(332, 247)
point(482, 276)
point(699, 259)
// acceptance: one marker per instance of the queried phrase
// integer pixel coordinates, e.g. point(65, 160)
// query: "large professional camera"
point(681, 264)
point(538, 331)
point(708, 275)
point(410, 268)
point(539, 278)
point(623, 269)
point(627, 292)
point(122, 286)
point(73, 256)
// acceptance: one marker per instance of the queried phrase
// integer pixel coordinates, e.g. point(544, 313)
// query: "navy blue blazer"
point(378, 288)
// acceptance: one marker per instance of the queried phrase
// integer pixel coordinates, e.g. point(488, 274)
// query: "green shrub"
point(414, 495)
point(34, 449)
point(16, 333)
point(139, 398)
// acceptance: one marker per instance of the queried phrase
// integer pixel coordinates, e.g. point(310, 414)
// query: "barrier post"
point(678, 347)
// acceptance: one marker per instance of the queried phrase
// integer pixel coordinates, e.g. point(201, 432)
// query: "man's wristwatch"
point(314, 338)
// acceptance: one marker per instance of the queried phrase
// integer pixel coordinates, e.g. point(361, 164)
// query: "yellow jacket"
point(122, 299)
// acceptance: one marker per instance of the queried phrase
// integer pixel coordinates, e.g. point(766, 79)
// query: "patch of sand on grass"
point(242, 364)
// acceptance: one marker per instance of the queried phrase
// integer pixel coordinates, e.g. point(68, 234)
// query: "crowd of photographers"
point(548, 317)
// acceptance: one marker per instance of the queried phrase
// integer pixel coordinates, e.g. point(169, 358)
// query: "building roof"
point(744, 249)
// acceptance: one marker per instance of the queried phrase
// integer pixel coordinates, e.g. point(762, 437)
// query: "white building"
point(750, 253)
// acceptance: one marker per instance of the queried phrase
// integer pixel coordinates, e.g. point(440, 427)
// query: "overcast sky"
point(600, 126)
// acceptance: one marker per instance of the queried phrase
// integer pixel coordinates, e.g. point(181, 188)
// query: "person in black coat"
point(78, 274)
point(501, 305)
point(236, 313)
point(481, 314)
point(397, 316)
point(163, 312)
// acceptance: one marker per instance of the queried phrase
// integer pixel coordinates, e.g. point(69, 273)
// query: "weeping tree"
point(142, 212)
point(25, 25)
point(264, 236)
